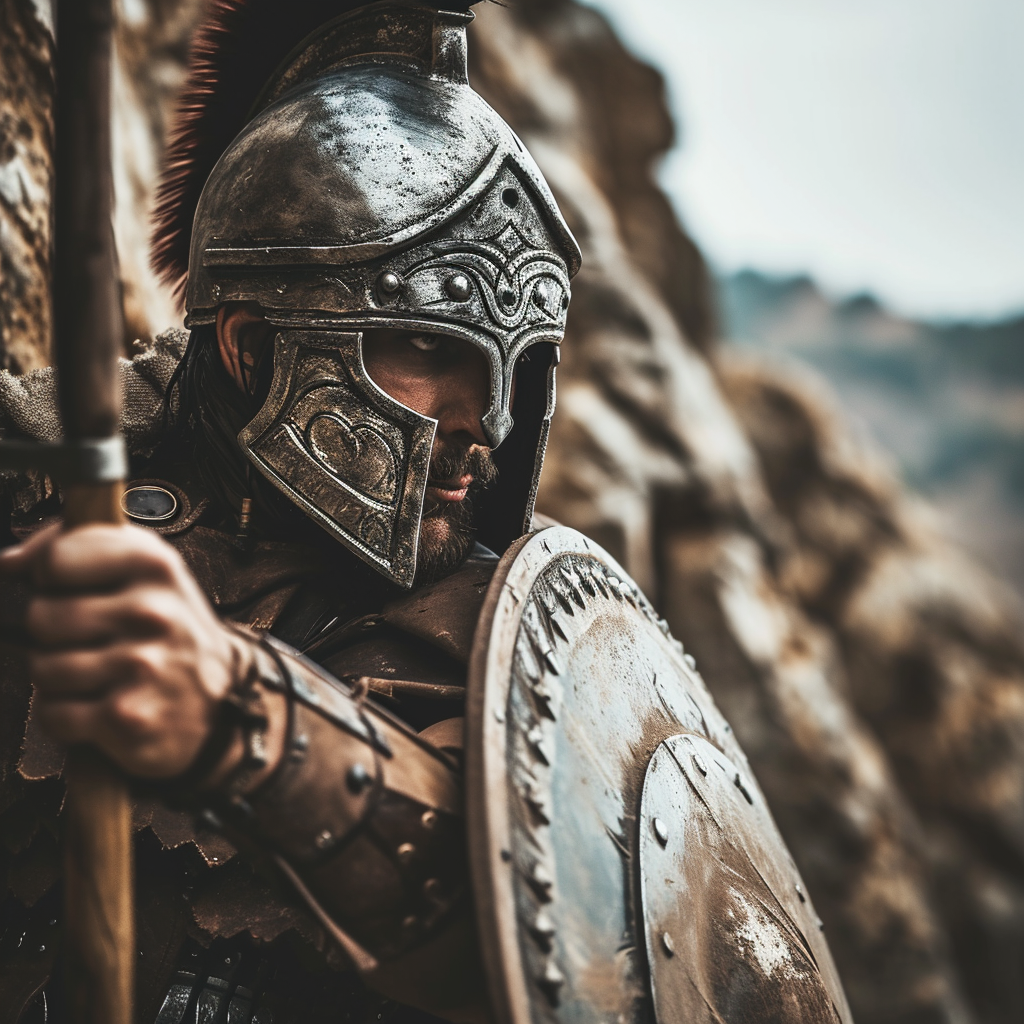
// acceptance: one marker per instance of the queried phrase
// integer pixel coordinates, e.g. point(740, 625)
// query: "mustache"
point(440, 557)
point(451, 463)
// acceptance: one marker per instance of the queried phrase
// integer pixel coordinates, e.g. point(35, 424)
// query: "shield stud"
point(625, 865)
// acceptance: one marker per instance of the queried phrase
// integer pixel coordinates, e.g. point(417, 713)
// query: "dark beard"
point(439, 556)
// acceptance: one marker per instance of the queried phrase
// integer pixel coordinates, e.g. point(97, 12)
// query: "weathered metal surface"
point(575, 684)
point(729, 929)
point(351, 457)
point(375, 189)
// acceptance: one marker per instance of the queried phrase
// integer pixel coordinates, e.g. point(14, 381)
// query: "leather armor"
point(354, 872)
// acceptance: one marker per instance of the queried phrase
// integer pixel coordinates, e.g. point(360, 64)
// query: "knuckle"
point(69, 547)
point(152, 551)
point(157, 609)
point(145, 562)
point(134, 714)
point(143, 663)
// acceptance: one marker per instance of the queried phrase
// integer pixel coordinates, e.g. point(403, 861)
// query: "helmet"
point(372, 187)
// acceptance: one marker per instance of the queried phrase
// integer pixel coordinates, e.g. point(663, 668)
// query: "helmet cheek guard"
point(374, 188)
point(349, 455)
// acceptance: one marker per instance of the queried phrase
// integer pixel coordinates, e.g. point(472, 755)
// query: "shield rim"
point(489, 834)
point(488, 814)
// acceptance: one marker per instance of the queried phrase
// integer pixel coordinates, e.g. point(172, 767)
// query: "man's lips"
point(452, 490)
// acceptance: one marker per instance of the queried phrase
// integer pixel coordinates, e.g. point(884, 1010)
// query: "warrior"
point(334, 537)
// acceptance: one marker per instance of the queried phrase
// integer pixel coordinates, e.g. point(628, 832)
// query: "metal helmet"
point(372, 187)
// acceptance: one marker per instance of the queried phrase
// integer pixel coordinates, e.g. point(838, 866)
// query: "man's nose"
point(464, 406)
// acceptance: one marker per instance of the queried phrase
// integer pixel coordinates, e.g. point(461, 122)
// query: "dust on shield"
point(625, 865)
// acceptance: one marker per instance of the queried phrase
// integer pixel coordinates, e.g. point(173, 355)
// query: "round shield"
point(625, 865)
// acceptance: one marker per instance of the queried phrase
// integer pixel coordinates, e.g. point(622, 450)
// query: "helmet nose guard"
point(374, 188)
point(497, 425)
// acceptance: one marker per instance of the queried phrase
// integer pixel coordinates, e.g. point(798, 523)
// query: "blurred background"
point(853, 173)
point(790, 402)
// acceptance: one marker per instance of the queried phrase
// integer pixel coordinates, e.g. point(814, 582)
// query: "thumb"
point(17, 560)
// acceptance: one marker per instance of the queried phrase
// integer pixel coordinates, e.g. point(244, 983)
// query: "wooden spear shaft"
point(99, 925)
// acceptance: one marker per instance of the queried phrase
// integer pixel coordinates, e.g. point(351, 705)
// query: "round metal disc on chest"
point(149, 503)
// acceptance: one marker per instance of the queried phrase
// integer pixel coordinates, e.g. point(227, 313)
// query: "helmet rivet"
point(510, 197)
point(390, 283)
point(458, 287)
point(508, 297)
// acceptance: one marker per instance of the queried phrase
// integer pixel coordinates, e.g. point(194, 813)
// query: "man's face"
point(446, 379)
point(435, 375)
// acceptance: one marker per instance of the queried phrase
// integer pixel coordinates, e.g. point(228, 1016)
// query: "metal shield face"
point(625, 865)
point(351, 457)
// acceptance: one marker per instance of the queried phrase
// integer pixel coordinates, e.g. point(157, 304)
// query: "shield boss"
point(625, 865)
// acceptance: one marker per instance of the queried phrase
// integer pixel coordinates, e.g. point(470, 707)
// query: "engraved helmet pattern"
point(374, 188)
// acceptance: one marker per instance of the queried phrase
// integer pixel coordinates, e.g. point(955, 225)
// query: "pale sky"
point(877, 144)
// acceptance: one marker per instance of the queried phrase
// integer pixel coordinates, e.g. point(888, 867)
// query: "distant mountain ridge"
point(946, 400)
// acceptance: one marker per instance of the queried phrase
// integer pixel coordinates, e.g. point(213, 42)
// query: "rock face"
point(943, 399)
point(26, 178)
point(930, 660)
point(874, 676)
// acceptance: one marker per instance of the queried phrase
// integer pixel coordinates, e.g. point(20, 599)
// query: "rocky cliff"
point(944, 399)
point(26, 179)
point(873, 674)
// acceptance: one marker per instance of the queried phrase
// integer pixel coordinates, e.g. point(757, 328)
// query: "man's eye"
point(425, 342)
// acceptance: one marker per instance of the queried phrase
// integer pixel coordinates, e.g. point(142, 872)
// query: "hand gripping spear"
point(90, 464)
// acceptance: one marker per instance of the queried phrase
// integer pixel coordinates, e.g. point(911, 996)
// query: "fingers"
point(18, 560)
point(82, 675)
point(139, 727)
point(127, 652)
point(124, 723)
point(55, 623)
point(93, 558)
